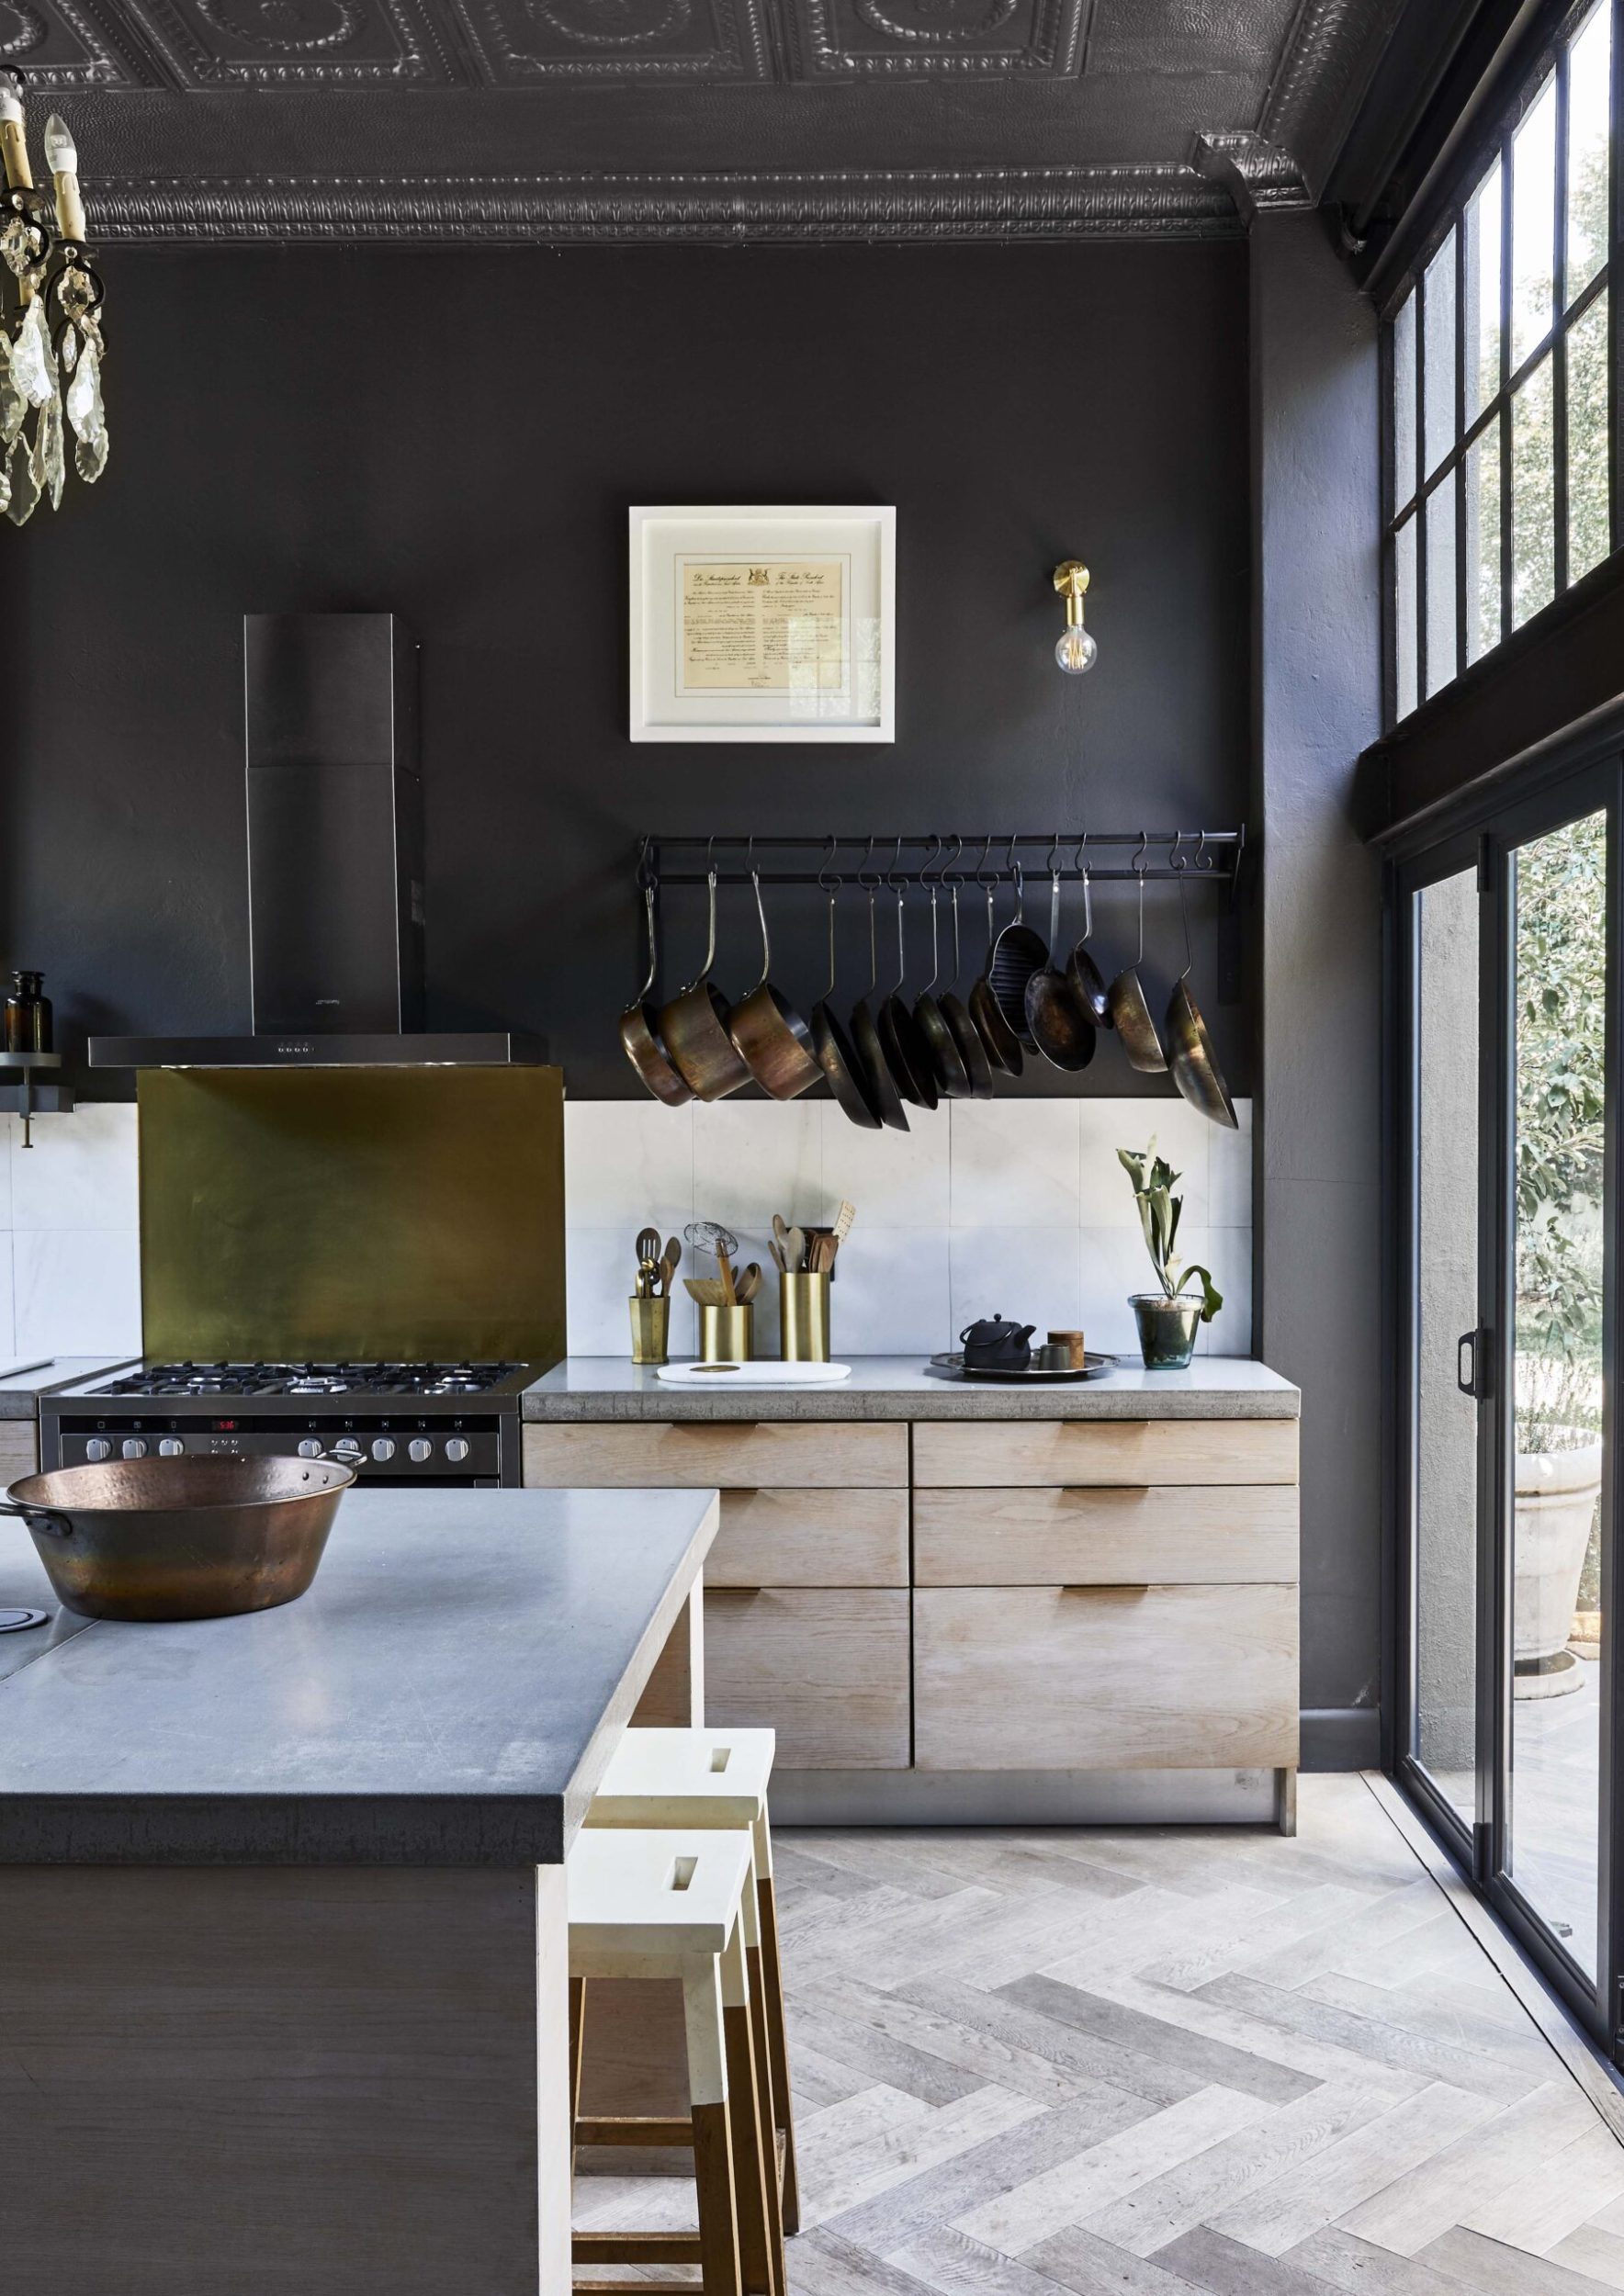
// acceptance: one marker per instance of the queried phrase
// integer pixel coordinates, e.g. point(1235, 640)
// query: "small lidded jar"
point(27, 1014)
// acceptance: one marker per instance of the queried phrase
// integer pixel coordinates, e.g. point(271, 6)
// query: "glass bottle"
point(27, 1014)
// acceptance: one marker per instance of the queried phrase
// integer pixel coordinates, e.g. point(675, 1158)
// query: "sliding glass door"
point(1508, 975)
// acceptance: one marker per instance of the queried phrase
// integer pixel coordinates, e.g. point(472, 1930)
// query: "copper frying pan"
point(639, 1028)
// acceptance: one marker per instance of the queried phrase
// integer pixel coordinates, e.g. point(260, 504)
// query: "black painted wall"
point(459, 440)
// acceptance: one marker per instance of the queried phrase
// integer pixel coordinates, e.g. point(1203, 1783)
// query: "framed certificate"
point(762, 624)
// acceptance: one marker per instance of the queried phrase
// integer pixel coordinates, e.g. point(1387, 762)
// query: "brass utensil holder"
point(726, 1334)
point(802, 1317)
point(651, 1324)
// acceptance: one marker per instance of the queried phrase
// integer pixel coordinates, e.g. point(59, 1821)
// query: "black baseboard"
point(1341, 1738)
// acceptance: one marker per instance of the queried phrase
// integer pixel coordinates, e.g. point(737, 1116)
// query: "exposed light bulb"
point(60, 155)
point(1074, 650)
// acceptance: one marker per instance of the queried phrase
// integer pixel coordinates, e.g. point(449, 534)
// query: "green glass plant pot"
point(1166, 1329)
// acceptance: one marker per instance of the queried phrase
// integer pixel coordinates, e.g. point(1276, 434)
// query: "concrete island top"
point(899, 1387)
point(447, 1694)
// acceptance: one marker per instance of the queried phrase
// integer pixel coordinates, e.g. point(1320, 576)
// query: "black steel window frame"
point(1485, 836)
point(1408, 507)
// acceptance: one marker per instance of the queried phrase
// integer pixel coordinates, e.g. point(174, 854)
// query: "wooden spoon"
point(748, 1284)
point(668, 1266)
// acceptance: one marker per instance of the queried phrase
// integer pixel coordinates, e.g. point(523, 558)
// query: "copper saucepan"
point(155, 1538)
point(639, 1028)
point(768, 1032)
point(694, 1026)
point(1189, 1046)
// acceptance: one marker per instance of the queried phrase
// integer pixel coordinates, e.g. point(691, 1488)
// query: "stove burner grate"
point(311, 1379)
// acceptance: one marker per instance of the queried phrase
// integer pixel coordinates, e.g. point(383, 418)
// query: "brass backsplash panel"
point(341, 1212)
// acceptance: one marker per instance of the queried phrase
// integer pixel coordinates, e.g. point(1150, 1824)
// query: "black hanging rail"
point(1210, 853)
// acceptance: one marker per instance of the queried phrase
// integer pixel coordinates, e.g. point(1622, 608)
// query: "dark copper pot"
point(694, 1028)
point(768, 1033)
point(639, 1029)
point(149, 1539)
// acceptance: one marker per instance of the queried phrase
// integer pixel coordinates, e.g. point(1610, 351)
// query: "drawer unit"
point(731, 1455)
point(1105, 1678)
point(827, 1668)
point(978, 1453)
point(19, 1449)
point(782, 1538)
point(1106, 1535)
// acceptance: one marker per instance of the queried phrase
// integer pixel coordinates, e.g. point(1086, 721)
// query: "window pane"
point(1588, 537)
point(1481, 471)
point(1482, 294)
point(1404, 616)
point(1589, 88)
point(1533, 223)
point(1533, 497)
point(1403, 403)
point(1438, 327)
point(1441, 658)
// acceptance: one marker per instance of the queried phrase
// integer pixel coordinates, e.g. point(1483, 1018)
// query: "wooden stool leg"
point(755, 2180)
point(577, 2024)
point(772, 2003)
point(713, 2136)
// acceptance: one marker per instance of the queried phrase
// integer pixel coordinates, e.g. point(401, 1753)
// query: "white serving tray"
point(722, 1376)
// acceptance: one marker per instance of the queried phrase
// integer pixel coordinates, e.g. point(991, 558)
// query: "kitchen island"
point(282, 1917)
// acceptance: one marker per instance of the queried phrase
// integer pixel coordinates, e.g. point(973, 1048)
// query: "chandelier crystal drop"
point(51, 348)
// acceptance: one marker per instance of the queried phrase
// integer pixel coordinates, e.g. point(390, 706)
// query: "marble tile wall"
point(1018, 1207)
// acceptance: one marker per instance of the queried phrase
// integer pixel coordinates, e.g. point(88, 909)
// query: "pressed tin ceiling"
point(493, 120)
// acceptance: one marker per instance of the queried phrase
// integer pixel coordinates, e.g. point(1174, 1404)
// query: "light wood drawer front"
point(971, 1453)
point(19, 1449)
point(1192, 1535)
point(695, 1453)
point(810, 1538)
point(826, 1667)
point(1151, 1678)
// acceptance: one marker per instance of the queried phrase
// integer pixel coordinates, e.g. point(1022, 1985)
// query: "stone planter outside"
point(1555, 1504)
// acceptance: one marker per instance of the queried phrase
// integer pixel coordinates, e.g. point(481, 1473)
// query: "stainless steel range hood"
point(334, 863)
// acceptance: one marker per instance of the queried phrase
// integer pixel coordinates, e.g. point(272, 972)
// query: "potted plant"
point(1166, 1319)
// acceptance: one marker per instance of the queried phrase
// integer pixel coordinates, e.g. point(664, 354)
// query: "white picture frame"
point(720, 652)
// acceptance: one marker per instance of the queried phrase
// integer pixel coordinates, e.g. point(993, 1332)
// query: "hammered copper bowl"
point(150, 1539)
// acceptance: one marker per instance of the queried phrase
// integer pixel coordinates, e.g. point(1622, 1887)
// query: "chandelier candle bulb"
point(14, 137)
point(63, 162)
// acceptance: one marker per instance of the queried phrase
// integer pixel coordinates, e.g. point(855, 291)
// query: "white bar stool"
point(709, 1779)
point(672, 1905)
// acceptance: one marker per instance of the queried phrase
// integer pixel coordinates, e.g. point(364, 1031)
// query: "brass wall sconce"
point(1074, 649)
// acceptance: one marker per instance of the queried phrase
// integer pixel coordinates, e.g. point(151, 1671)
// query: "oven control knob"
point(133, 1447)
point(170, 1448)
point(418, 1450)
point(456, 1448)
point(98, 1448)
point(348, 1447)
point(309, 1448)
point(383, 1448)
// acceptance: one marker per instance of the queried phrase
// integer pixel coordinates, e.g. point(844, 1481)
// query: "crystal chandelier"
point(50, 341)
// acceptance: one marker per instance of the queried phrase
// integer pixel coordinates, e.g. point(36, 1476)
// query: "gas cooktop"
point(317, 1381)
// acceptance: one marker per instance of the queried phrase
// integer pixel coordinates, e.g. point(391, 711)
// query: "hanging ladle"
point(956, 1013)
point(952, 1076)
point(1189, 1048)
point(640, 1023)
point(1056, 1014)
point(835, 1054)
point(1130, 1012)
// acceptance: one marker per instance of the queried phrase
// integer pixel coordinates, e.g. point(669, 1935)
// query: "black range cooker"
point(451, 1425)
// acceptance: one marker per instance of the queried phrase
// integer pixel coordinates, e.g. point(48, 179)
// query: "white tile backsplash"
point(80, 1172)
point(70, 1257)
point(1016, 1205)
point(77, 1290)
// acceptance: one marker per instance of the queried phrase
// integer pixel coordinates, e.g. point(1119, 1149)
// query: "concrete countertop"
point(24, 1379)
point(447, 1694)
point(898, 1387)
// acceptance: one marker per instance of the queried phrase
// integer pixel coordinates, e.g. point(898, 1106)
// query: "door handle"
point(1472, 1350)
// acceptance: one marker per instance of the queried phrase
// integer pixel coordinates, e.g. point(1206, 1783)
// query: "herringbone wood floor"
point(1170, 2063)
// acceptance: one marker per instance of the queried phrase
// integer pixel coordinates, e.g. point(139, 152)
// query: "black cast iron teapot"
point(996, 1344)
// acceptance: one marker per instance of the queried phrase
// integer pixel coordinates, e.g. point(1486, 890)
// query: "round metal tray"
point(1094, 1367)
